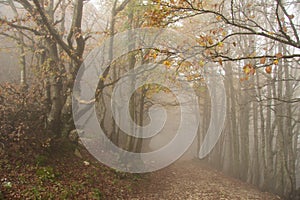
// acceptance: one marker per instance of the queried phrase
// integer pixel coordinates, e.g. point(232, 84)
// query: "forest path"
point(193, 180)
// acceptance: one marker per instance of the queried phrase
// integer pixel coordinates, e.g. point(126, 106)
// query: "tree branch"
point(54, 33)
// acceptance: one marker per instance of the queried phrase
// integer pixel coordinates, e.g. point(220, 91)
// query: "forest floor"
point(194, 180)
point(63, 175)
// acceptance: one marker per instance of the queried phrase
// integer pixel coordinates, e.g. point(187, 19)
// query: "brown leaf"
point(263, 60)
point(279, 55)
point(220, 61)
point(284, 29)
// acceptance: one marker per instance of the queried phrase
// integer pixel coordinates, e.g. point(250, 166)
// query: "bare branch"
point(55, 33)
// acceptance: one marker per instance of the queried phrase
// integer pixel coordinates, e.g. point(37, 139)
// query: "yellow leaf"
point(249, 69)
point(201, 63)
point(101, 78)
point(167, 63)
point(154, 55)
point(210, 41)
point(275, 62)
point(219, 18)
point(246, 69)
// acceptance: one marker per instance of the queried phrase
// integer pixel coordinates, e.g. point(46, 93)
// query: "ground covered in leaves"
point(193, 180)
point(58, 173)
point(62, 175)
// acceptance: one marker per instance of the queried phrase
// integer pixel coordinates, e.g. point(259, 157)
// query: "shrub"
point(22, 113)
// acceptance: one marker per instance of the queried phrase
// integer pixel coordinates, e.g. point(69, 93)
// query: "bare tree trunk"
point(280, 168)
point(75, 34)
point(56, 89)
point(21, 43)
point(290, 158)
point(131, 63)
point(235, 138)
point(139, 141)
point(243, 122)
point(255, 174)
point(115, 129)
point(244, 132)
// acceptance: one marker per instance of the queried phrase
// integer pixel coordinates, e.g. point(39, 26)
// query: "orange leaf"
point(153, 55)
point(167, 63)
point(268, 69)
point(219, 18)
point(220, 61)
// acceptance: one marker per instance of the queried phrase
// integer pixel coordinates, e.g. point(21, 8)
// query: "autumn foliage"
point(22, 112)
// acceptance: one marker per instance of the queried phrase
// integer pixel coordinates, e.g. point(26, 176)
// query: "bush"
point(22, 112)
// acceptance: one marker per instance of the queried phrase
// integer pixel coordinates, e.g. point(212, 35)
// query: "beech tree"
point(255, 44)
point(46, 20)
point(243, 18)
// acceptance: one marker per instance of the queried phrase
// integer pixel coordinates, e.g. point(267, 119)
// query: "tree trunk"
point(235, 138)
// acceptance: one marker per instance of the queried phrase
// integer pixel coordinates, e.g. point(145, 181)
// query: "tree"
point(40, 19)
point(262, 38)
point(254, 43)
point(244, 19)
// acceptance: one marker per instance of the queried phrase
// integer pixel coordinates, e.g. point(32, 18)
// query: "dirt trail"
point(192, 180)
